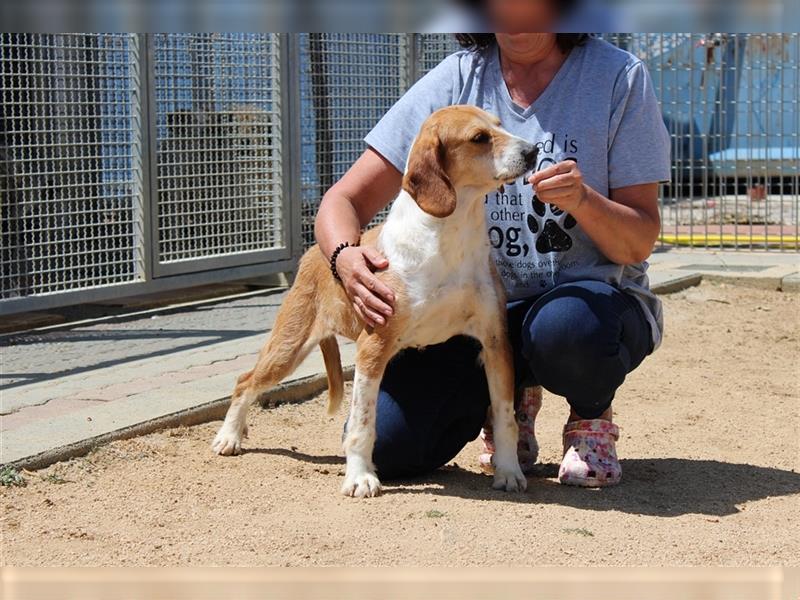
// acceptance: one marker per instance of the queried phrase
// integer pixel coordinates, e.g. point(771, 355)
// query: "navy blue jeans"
point(579, 340)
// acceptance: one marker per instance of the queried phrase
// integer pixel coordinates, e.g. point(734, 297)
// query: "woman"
point(569, 242)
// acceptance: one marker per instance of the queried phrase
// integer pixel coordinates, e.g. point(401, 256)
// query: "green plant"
point(10, 476)
point(54, 478)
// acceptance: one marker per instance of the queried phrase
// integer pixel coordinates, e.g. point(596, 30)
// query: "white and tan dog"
point(445, 284)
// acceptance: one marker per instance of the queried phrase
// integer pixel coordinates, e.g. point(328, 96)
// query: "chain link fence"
point(133, 163)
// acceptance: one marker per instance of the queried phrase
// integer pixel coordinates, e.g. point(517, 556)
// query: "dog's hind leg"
point(333, 368)
point(294, 335)
point(275, 363)
point(229, 437)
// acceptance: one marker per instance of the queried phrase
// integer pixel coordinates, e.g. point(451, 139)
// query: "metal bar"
point(292, 140)
point(148, 153)
point(750, 180)
point(125, 290)
point(210, 263)
point(412, 60)
point(794, 207)
point(691, 157)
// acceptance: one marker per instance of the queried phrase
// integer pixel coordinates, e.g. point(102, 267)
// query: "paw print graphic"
point(552, 238)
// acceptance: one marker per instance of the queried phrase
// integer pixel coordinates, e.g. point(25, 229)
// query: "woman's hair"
point(479, 41)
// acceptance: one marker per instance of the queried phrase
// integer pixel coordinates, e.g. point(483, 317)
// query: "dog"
point(445, 284)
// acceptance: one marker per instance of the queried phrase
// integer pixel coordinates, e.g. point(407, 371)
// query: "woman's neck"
point(527, 75)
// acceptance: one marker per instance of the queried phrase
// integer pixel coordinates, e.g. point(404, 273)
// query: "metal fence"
point(348, 81)
point(730, 102)
point(218, 155)
point(71, 197)
point(133, 163)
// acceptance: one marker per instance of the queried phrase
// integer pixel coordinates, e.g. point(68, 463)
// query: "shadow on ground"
point(661, 487)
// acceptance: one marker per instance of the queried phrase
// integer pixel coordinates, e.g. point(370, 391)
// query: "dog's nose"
point(530, 156)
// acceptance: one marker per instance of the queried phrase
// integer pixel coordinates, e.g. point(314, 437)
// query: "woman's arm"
point(367, 187)
point(624, 227)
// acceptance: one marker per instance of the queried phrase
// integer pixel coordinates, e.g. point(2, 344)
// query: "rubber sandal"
point(530, 403)
point(527, 406)
point(485, 458)
point(590, 455)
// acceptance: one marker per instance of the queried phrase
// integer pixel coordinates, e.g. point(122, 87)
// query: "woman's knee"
point(573, 339)
point(411, 444)
point(432, 402)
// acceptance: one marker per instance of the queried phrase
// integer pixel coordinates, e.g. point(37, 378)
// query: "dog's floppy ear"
point(426, 180)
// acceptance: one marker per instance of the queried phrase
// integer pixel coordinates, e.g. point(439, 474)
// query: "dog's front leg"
point(360, 479)
point(498, 361)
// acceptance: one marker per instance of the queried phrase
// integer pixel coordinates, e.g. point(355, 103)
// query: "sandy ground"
point(710, 460)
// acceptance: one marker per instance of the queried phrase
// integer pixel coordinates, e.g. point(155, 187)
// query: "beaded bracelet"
point(335, 255)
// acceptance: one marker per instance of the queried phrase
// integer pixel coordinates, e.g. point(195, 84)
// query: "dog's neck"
point(414, 236)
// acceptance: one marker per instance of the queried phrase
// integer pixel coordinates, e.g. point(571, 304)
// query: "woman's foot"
point(527, 405)
point(590, 455)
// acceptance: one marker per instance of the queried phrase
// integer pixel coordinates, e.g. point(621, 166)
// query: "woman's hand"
point(372, 299)
point(623, 226)
point(561, 185)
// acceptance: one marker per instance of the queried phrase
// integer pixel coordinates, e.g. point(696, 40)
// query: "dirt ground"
point(711, 476)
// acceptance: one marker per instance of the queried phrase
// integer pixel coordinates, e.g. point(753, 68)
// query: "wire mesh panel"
point(348, 82)
point(218, 130)
point(730, 102)
point(72, 144)
point(70, 162)
point(433, 48)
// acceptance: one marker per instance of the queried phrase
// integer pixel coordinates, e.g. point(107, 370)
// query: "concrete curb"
point(677, 284)
point(791, 283)
point(291, 392)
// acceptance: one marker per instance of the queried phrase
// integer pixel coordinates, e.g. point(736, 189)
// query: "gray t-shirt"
point(600, 110)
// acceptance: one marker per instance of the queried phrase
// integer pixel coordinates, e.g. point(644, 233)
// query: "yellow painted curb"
point(729, 239)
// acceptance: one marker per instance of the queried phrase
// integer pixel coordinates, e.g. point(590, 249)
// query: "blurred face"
point(524, 47)
point(521, 15)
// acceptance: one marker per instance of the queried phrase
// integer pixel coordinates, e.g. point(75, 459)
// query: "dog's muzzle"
point(529, 156)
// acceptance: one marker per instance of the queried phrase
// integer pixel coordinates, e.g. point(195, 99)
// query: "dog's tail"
point(333, 366)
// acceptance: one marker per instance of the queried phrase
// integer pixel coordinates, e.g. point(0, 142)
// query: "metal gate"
point(217, 157)
point(71, 163)
point(348, 82)
point(131, 164)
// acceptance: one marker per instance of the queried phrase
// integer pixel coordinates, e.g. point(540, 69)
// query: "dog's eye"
point(480, 138)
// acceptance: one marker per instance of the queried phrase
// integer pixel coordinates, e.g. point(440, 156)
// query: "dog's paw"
point(509, 479)
point(363, 485)
point(228, 441)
